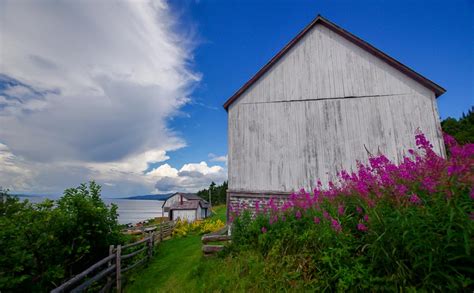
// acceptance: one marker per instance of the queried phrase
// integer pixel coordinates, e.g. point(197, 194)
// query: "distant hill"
point(150, 196)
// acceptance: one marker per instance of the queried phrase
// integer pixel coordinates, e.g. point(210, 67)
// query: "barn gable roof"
point(189, 205)
point(438, 90)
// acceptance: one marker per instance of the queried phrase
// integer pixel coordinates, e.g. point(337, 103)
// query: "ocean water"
point(129, 210)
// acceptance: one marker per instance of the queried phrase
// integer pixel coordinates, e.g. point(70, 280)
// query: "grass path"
point(173, 263)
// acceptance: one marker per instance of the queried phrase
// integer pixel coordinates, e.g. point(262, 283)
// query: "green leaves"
point(43, 244)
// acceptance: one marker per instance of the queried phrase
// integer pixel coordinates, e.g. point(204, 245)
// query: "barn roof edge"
point(437, 89)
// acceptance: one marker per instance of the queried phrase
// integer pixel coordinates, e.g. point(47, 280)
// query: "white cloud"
point(191, 177)
point(88, 88)
point(215, 158)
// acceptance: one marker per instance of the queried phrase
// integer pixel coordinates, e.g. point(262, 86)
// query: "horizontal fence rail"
point(113, 265)
point(219, 236)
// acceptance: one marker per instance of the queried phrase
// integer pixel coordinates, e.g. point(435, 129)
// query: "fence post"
point(109, 263)
point(117, 264)
point(150, 245)
point(161, 231)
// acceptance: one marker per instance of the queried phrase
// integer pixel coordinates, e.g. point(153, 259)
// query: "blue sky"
point(239, 37)
point(132, 97)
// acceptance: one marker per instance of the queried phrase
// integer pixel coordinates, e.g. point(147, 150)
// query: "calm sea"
point(129, 210)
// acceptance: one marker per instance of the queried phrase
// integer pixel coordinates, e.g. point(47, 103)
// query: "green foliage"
point(218, 193)
point(406, 247)
point(44, 244)
point(461, 129)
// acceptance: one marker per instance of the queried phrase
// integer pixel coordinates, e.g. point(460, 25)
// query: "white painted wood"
point(314, 113)
point(184, 215)
point(172, 200)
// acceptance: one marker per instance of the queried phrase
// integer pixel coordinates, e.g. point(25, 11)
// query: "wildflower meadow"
point(385, 226)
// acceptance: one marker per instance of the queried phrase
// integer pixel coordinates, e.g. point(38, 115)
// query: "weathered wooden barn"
point(186, 206)
point(324, 101)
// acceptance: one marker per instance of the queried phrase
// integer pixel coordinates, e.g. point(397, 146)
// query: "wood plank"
point(215, 238)
point(83, 274)
point(212, 248)
point(94, 279)
point(135, 243)
point(126, 256)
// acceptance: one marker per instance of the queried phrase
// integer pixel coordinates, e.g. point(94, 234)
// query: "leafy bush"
point(208, 225)
point(384, 227)
point(461, 129)
point(44, 244)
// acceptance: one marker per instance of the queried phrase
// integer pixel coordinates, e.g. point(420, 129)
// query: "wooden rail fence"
point(218, 236)
point(117, 262)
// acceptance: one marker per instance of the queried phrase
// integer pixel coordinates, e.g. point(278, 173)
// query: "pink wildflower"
point(335, 225)
point(359, 210)
point(264, 230)
point(326, 215)
point(340, 210)
point(366, 218)
point(362, 227)
point(316, 220)
point(472, 193)
point(415, 199)
point(298, 214)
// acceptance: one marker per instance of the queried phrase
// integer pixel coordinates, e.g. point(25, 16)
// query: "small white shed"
point(178, 197)
point(191, 210)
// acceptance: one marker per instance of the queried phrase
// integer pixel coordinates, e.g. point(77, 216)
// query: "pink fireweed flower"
point(366, 218)
point(362, 227)
point(273, 219)
point(335, 225)
point(326, 215)
point(401, 189)
point(472, 193)
point(264, 230)
point(340, 210)
point(449, 140)
point(298, 215)
point(429, 184)
point(257, 206)
point(359, 210)
point(317, 220)
point(415, 199)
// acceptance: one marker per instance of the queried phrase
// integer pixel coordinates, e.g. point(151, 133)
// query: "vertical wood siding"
point(317, 110)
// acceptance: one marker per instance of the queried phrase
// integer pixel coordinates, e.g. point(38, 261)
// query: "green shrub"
point(44, 244)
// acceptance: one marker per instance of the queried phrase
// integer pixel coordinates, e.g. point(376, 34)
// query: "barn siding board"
point(317, 110)
point(274, 150)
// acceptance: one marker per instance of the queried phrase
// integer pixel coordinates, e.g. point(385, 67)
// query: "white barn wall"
point(314, 111)
point(184, 215)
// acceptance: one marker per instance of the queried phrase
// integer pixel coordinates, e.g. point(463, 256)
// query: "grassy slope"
point(173, 265)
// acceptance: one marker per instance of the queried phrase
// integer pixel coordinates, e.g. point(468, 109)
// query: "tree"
point(218, 193)
point(44, 244)
point(461, 129)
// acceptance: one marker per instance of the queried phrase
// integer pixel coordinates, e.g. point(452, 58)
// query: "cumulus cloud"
point(86, 90)
point(216, 158)
point(190, 177)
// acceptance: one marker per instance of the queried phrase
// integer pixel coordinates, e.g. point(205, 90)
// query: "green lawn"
point(173, 265)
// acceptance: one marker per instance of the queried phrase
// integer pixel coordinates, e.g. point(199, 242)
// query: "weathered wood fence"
point(218, 236)
point(118, 262)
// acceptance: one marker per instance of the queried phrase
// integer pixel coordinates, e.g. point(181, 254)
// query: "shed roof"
point(188, 205)
point(437, 89)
